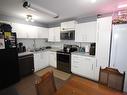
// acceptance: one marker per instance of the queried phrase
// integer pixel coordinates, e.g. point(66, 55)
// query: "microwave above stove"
point(67, 35)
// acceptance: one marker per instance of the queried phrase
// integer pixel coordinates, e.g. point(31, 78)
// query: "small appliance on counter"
point(21, 47)
point(87, 49)
point(81, 49)
point(92, 49)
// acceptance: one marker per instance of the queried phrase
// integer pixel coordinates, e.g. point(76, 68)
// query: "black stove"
point(64, 58)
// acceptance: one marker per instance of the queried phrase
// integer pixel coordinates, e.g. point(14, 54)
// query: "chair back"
point(46, 84)
point(112, 78)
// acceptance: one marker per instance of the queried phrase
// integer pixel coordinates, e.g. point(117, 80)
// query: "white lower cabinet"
point(41, 60)
point(52, 59)
point(83, 66)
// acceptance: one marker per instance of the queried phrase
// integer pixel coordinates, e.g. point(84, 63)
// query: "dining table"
point(80, 86)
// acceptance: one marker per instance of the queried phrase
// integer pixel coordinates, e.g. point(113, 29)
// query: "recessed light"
point(93, 1)
point(122, 6)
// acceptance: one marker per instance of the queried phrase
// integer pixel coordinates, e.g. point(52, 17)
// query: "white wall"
point(29, 43)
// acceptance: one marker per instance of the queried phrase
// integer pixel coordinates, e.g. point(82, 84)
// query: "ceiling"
point(65, 8)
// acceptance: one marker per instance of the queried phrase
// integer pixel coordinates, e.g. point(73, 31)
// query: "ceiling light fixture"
point(122, 6)
point(93, 1)
point(31, 6)
point(29, 18)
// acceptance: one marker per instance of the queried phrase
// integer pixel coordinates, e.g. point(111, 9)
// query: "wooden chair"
point(112, 78)
point(46, 84)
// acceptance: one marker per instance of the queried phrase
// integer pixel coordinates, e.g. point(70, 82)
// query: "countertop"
point(34, 52)
point(24, 53)
point(83, 54)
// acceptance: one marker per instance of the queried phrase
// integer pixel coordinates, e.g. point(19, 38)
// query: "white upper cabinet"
point(42, 32)
point(54, 34)
point(67, 26)
point(29, 31)
point(86, 32)
point(51, 34)
point(20, 29)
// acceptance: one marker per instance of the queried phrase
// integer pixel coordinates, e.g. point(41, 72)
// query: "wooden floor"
point(74, 83)
point(81, 86)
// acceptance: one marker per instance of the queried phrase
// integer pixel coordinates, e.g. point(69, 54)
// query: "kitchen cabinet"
point(52, 59)
point(67, 26)
point(29, 31)
point(83, 66)
point(24, 31)
point(41, 60)
point(104, 27)
point(26, 65)
point(42, 32)
point(86, 32)
point(20, 30)
point(54, 34)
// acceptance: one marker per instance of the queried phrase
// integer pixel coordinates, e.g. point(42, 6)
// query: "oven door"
point(64, 62)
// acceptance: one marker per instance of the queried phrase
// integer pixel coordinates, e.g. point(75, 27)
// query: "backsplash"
point(38, 43)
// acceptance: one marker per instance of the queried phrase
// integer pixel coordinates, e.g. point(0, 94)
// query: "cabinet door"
point(45, 59)
point(54, 34)
point(104, 27)
point(52, 59)
point(90, 31)
point(42, 32)
point(36, 62)
point(76, 64)
point(51, 35)
point(79, 36)
point(20, 29)
point(83, 66)
point(70, 25)
point(57, 34)
point(103, 40)
point(24, 31)
point(31, 31)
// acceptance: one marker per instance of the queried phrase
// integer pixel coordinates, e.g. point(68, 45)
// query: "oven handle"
point(63, 53)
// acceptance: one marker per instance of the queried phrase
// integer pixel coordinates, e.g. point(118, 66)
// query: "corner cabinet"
point(54, 34)
point(86, 32)
point(83, 66)
point(41, 60)
point(104, 27)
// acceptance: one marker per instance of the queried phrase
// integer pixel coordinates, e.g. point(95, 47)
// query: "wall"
point(39, 43)
point(31, 44)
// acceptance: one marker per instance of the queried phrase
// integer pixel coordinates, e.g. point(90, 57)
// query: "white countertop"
point(34, 52)
point(24, 53)
point(83, 54)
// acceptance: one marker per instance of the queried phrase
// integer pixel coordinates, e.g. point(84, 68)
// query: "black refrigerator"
point(9, 69)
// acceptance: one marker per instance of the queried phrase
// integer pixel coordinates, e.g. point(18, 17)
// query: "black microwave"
point(67, 35)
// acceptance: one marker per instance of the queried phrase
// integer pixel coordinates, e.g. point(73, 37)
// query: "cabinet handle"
point(96, 62)
point(92, 66)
